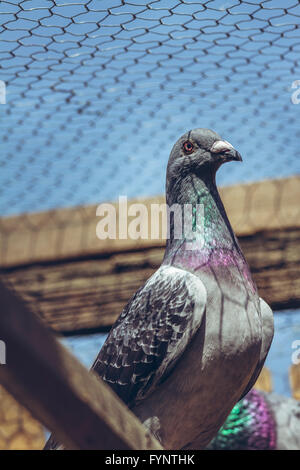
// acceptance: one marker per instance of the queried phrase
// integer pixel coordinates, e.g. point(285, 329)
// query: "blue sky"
point(98, 92)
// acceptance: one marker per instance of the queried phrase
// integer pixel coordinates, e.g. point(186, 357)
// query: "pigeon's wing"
point(267, 336)
point(151, 333)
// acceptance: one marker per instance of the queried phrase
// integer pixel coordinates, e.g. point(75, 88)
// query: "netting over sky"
point(97, 92)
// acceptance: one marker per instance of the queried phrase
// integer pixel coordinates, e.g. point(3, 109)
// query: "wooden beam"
point(71, 233)
point(77, 406)
point(76, 282)
point(294, 376)
point(91, 293)
point(264, 381)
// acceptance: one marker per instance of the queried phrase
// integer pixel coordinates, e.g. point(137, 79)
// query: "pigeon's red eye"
point(188, 147)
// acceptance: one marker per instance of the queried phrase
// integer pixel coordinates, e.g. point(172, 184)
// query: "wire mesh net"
point(98, 92)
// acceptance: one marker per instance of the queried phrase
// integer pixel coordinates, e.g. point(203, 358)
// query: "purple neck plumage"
point(211, 242)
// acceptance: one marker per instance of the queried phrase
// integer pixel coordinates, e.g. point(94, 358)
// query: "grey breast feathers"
point(151, 333)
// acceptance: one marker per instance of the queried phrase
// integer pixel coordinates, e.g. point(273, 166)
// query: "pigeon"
point(192, 340)
point(260, 421)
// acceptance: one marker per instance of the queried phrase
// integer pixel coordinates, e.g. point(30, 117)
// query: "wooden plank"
point(90, 293)
point(79, 407)
point(294, 376)
point(71, 233)
point(274, 257)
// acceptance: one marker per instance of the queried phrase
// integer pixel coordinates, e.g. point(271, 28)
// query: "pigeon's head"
point(199, 151)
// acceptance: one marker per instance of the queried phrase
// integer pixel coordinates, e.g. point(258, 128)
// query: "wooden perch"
point(82, 411)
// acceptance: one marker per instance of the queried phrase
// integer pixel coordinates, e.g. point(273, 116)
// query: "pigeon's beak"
point(226, 151)
point(233, 155)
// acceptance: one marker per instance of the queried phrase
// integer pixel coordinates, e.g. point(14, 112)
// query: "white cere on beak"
point(221, 146)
